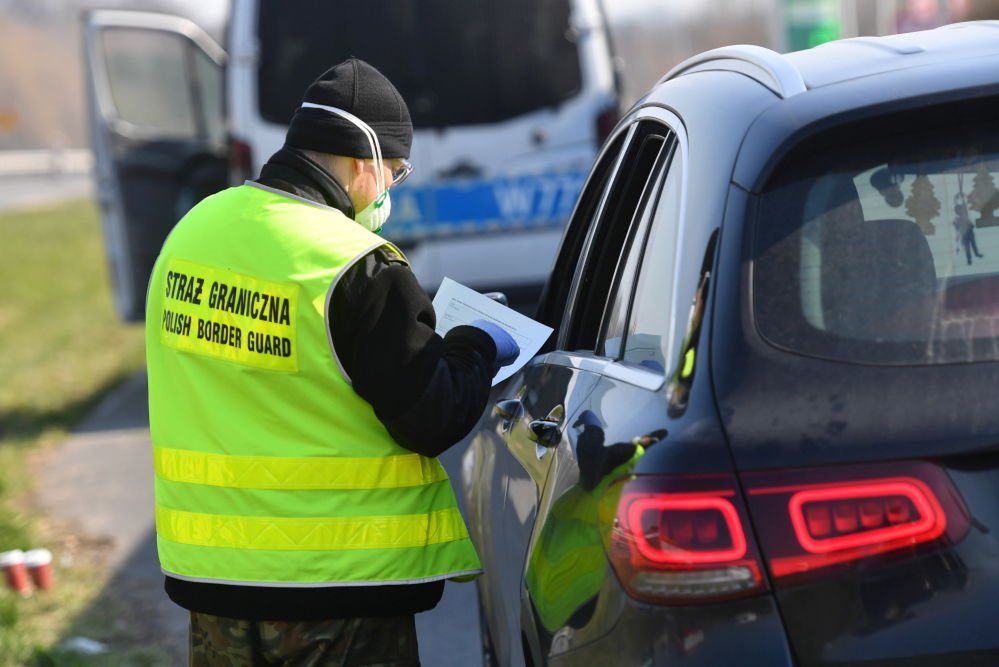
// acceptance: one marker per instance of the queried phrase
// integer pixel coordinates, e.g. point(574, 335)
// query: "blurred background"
point(117, 116)
point(42, 77)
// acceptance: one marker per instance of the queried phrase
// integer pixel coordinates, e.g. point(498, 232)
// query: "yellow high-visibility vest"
point(270, 469)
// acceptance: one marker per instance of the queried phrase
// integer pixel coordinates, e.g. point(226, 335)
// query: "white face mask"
point(375, 214)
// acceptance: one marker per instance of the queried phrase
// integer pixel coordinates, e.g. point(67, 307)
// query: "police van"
point(510, 100)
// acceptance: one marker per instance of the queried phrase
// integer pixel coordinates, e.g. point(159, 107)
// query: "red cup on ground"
point(39, 564)
point(15, 572)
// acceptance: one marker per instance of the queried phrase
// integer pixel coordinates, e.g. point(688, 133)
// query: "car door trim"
point(676, 125)
point(584, 361)
point(635, 375)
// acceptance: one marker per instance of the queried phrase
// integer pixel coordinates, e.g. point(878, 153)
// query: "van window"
point(455, 63)
point(210, 90)
point(147, 73)
point(883, 245)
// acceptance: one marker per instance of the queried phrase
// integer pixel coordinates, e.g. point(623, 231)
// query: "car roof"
point(795, 94)
point(787, 75)
point(845, 59)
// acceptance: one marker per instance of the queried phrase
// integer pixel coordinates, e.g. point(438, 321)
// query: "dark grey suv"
point(766, 431)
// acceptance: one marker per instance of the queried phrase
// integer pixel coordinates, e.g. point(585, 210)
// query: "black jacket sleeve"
point(428, 391)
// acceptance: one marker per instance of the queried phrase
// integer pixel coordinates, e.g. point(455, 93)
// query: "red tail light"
point(680, 539)
point(606, 122)
point(240, 162)
point(808, 520)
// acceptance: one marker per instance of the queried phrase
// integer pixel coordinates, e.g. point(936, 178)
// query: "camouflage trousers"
point(373, 642)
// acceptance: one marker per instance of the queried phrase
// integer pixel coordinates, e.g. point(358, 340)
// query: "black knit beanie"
point(360, 89)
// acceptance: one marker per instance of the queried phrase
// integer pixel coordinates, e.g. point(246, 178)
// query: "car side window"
point(618, 310)
point(551, 306)
point(650, 329)
point(609, 237)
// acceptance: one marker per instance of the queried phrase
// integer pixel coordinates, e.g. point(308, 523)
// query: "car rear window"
point(879, 243)
point(455, 63)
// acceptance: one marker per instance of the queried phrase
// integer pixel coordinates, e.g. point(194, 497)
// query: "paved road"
point(113, 444)
point(27, 191)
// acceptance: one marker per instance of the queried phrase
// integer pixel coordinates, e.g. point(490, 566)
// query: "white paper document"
point(456, 304)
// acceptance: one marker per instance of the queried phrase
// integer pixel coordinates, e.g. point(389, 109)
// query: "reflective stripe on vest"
point(324, 534)
point(270, 469)
point(284, 472)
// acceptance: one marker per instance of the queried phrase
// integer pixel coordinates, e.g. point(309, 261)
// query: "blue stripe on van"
point(457, 208)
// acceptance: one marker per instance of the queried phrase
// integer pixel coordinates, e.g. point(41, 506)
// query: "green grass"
point(61, 343)
point(61, 348)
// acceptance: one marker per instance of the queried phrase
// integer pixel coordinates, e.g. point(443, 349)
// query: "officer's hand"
point(507, 349)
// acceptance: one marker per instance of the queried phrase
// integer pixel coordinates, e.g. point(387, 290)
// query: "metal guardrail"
point(46, 161)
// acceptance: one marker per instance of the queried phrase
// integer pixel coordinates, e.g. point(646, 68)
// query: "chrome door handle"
point(498, 297)
point(545, 432)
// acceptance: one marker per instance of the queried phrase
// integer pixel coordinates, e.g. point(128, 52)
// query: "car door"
point(537, 389)
point(548, 395)
point(158, 132)
point(640, 329)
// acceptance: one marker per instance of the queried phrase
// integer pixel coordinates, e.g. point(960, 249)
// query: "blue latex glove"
point(507, 349)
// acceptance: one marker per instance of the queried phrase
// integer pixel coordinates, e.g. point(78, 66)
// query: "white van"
point(510, 100)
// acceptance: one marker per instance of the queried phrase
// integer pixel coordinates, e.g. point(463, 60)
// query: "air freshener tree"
point(984, 197)
point(923, 205)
